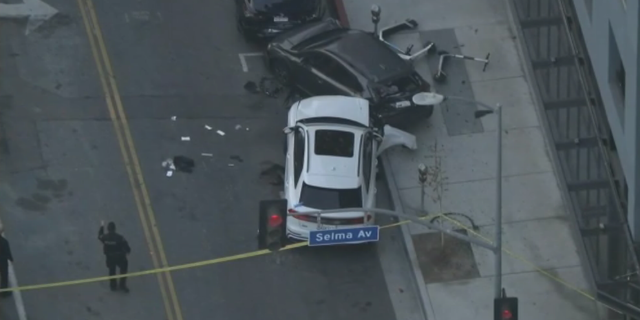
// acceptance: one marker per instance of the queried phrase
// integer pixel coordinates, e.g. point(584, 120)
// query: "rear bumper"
point(299, 231)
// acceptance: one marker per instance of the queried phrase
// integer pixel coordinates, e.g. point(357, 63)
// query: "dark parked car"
point(265, 19)
point(324, 58)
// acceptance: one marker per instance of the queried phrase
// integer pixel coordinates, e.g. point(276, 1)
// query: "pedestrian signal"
point(273, 225)
point(505, 308)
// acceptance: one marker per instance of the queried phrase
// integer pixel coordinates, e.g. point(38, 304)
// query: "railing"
point(585, 151)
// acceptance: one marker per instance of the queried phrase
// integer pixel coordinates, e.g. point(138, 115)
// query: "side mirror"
point(288, 130)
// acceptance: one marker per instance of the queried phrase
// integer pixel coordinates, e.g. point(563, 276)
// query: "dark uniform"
point(116, 248)
point(5, 257)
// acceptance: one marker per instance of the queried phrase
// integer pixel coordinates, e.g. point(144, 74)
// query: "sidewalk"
point(460, 153)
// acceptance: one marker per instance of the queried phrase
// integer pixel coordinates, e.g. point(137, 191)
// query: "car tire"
point(428, 112)
point(280, 71)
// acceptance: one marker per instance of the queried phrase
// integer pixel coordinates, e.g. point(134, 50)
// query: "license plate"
point(280, 19)
point(403, 104)
point(326, 227)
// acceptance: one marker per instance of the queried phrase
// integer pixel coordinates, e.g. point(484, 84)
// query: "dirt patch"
point(443, 258)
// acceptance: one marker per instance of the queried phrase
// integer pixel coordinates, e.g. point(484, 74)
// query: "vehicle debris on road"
point(178, 163)
point(268, 86)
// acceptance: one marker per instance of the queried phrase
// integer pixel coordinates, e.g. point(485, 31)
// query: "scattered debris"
point(271, 87)
point(168, 164)
point(273, 172)
point(251, 87)
point(207, 154)
point(238, 127)
point(186, 138)
point(184, 164)
point(236, 158)
point(220, 132)
point(178, 163)
point(207, 127)
point(267, 85)
point(173, 118)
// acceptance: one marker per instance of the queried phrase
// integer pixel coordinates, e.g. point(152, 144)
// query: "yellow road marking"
point(127, 148)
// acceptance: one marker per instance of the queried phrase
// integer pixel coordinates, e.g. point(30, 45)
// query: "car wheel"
point(427, 112)
point(280, 71)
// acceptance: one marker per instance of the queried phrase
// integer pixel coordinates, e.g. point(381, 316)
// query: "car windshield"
point(334, 143)
point(286, 5)
point(329, 199)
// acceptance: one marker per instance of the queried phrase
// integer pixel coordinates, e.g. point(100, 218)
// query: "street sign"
point(344, 236)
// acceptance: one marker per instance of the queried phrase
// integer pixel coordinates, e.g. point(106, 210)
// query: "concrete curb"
point(339, 11)
point(425, 300)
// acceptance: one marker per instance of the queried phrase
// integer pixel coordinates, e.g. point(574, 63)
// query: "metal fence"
point(585, 150)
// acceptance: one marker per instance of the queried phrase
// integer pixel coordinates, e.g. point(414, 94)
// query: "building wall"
point(611, 32)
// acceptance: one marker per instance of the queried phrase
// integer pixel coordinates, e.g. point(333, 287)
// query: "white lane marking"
point(141, 15)
point(243, 60)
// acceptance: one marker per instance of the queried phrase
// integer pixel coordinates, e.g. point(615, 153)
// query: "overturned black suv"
point(323, 58)
point(265, 19)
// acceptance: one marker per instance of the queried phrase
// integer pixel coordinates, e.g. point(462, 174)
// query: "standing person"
point(5, 257)
point(116, 249)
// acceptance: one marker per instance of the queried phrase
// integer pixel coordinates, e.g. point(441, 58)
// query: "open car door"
point(396, 137)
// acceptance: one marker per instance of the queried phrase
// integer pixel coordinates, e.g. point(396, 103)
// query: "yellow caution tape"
point(173, 268)
point(289, 247)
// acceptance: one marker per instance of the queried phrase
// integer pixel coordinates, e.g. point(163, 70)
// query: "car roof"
point(342, 107)
point(333, 171)
point(370, 57)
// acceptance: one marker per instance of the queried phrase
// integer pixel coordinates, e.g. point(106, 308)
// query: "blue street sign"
point(344, 236)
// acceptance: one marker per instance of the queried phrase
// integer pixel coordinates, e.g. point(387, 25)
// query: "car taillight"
point(293, 212)
point(356, 221)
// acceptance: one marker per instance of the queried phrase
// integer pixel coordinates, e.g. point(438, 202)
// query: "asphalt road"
point(63, 171)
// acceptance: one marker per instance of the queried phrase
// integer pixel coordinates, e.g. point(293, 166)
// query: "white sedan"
point(331, 162)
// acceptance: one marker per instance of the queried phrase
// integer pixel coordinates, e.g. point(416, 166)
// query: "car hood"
point(286, 7)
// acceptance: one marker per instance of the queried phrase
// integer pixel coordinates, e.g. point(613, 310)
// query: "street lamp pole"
point(498, 244)
point(434, 98)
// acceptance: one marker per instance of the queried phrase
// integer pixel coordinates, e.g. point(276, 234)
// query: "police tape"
point(522, 259)
point(289, 247)
point(177, 267)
